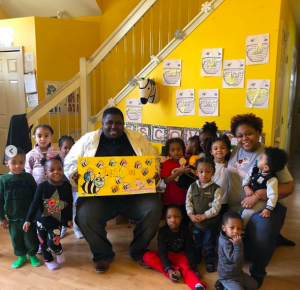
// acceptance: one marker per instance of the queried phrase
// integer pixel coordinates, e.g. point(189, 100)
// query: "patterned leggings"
point(50, 241)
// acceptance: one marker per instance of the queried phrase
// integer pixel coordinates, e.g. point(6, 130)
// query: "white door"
point(292, 94)
point(12, 93)
point(281, 90)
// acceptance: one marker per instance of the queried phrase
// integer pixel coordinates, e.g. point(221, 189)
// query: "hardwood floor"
point(124, 273)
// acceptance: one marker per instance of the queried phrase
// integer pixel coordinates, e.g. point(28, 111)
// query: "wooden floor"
point(78, 271)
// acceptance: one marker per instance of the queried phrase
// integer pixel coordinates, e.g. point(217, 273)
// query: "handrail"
point(46, 105)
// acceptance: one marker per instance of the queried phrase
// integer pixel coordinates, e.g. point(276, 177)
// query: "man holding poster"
point(93, 212)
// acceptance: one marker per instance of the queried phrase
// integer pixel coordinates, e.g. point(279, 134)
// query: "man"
point(94, 212)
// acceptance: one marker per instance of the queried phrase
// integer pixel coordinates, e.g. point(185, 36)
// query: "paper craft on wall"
point(28, 62)
point(171, 73)
point(257, 94)
point(30, 84)
point(122, 175)
point(209, 102)
point(32, 100)
point(133, 110)
point(211, 62)
point(257, 49)
point(233, 73)
point(185, 102)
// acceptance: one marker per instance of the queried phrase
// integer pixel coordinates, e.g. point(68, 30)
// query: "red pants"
point(179, 262)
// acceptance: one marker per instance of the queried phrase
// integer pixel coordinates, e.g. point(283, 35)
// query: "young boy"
point(203, 204)
point(231, 255)
point(17, 189)
point(263, 176)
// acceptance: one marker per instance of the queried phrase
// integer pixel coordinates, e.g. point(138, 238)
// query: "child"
point(170, 171)
point(65, 144)
point(203, 203)
point(263, 176)
point(208, 130)
point(231, 255)
point(43, 135)
point(52, 208)
point(175, 255)
point(219, 148)
point(192, 147)
point(16, 194)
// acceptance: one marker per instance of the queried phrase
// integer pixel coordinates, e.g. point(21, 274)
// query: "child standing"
point(192, 147)
point(43, 135)
point(65, 144)
point(231, 255)
point(208, 130)
point(170, 171)
point(263, 176)
point(175, 255)
point(17, 189)
point(203, 203)
point(52, 208)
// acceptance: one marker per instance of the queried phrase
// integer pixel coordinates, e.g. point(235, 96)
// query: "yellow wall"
point(3, 14)
point(287, 22)
point(227, 27)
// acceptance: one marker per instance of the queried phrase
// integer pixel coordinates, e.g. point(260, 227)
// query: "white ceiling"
point(48, 8)
point(295, 4)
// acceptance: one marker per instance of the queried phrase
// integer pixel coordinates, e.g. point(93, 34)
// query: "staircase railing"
point(153, 28)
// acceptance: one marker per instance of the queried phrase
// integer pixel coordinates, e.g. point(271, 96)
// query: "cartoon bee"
point(123, 162)
point(148, 161)
point(126, 186)
point(145, 171)
point(92, 186)
point(114, 189)
point(112, 162)
point(150, 181)
point(89, 175)
point(138, 164)
point(119, 180)
point(100, 164)
point(84, 163)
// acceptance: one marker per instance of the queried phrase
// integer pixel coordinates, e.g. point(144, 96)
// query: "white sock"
point(52, 265)
point(60, 258)
point(78, 234)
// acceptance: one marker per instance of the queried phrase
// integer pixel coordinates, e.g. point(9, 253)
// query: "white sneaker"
point(78, 234)
point(63, 232)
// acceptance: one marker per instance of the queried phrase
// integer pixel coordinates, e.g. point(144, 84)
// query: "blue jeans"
point(260, 239)
point(93, 213)
point(205, 239)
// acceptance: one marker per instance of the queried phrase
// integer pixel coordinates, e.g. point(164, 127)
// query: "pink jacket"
point(33, 162)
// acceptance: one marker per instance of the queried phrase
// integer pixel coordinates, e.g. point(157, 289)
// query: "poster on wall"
point(32, 100)
point(257, 49)
point(185, 102)
point(171, 73)
point(208, 103)
point(257, 94)
point(211, 65)
point(233, 74)
point(133, 110)
point(122, 175)
point(68, 106)
point(28, 62)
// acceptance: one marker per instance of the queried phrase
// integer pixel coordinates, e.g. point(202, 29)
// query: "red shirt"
point(173, 193)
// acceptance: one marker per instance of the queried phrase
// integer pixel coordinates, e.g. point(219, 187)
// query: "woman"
point(261, 232)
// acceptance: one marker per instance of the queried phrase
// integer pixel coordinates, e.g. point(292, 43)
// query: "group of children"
point(37, 206)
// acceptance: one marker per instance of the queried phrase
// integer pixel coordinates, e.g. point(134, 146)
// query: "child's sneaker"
point(63, 232)
point(19, 263)
point(52, 265)
point(199, 287)
point(35, 262)
point(210, 267)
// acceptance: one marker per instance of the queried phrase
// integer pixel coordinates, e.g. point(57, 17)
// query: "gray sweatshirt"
point(231, 258)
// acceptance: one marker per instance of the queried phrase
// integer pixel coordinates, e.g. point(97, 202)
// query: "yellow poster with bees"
point(122, 175)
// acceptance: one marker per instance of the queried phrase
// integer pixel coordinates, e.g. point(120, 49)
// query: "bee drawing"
point(112, 162)
point(114, 189)
point(100, 164)
point(119, 180)
point(126, 186)
point(150, 181)
point(148, 161)
point(145, 171)
point(138, 164)
point(123, 162)
point(93, 184)
point(84, 163)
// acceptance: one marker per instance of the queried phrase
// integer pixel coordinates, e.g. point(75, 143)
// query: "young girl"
point(43, 135)
point(17, 189)
point(175, 256)
point(219, 148)
point(65, 144)
point(170, 171)
point(208, 130)
point(52, 208)
point(203, 203)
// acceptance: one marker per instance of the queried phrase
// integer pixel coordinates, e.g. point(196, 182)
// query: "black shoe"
point(218, 285)
point(199, 287)
point(282, 241)
point(143, 264)
point(258, 279)
point(210, 267)
point(101, 267)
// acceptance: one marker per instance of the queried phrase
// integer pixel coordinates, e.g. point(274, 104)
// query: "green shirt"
point(16, 194)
